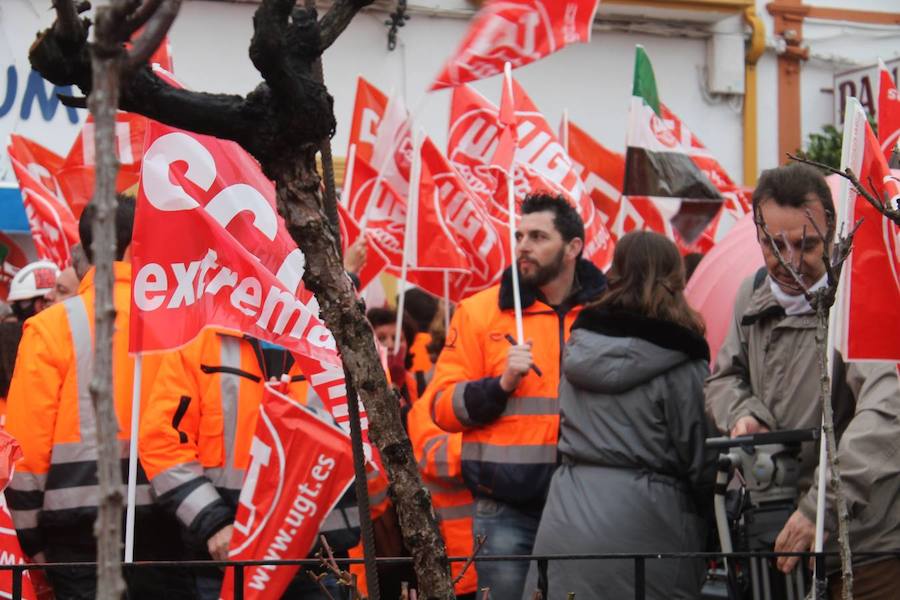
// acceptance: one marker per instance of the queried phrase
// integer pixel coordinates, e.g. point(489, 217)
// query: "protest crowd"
point(555, 370)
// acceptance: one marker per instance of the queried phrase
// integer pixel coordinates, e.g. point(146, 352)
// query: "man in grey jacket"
point(767, 377)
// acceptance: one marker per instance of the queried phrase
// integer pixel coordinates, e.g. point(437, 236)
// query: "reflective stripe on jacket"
point(439, 455)
point(508, 443)
point(51, 414)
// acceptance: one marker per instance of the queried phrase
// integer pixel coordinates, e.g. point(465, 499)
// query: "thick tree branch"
point(153, 34)
point(336, 20)
point(892, 213)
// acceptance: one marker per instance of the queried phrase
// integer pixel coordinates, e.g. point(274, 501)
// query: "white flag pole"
point(446, 301)
point(511, 207)
point(132, 460)
point(348, 177)
point(847, 151)
point(411, 210)
point(564, 134)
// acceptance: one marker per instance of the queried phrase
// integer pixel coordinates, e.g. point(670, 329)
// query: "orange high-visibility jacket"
point(198, 425)
point(439, 455)
point(50, 413)
point(197, 430)
point(421, 361)
point(509, 441)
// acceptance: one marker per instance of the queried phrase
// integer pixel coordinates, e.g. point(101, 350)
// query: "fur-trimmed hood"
point(614, 351)
point(591, 281)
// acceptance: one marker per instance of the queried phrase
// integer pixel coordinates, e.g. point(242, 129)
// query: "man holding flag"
point(502, 393)
point(767, 378)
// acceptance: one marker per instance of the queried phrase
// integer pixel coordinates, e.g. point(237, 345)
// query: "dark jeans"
point(507, 530)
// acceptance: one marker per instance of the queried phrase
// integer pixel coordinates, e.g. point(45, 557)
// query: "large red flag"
point(368, 110)
point(300, 466)
point(888, 112)
point(872, 278)
point(53, 228)
point(234, 265)
point(518, 32)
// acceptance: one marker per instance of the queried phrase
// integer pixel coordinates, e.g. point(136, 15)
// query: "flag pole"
point(348, 177)
point(511, 207)
point(132, 459)
point(564, 134)
point(411, 209)
point(446, 301)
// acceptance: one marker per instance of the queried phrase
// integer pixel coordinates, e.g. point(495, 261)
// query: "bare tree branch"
point(152, 36)
point(141, 15)
point(890, 212)
point(336, 20)
point(822, 300)
point(479, 544)
point(69, 25)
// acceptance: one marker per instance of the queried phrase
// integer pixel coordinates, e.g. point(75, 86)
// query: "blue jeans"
point(507, 530)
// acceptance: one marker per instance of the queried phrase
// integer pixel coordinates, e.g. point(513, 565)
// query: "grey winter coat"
point(633, 461)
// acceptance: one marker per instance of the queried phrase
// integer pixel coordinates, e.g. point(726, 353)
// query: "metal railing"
point(639, 559)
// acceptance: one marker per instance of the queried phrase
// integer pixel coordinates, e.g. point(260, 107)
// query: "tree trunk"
point(297, 192)
point(833, 466)
point(103, 102)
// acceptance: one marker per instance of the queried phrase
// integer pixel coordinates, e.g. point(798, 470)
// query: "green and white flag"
point(658, 168)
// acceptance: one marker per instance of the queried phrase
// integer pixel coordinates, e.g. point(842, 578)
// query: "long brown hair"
point(647, 277)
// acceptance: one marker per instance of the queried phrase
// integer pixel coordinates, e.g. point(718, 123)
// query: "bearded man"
point(502, 395)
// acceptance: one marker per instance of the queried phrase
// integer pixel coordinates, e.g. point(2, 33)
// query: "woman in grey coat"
point(633, 466)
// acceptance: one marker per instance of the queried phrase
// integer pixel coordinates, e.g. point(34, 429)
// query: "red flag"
point(478, 236)
point(376, 261)
point(872, 279)
point(368, 110)
point(888, 112)
point(300, 466)
point(601, 170)
point(519, 32)
point(540, 162)
point(382, 211)
point(436, 263)
point(76, 177)
point(53, 228)
point(41, 163)
point(234, 264)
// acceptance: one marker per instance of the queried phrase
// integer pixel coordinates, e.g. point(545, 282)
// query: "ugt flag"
point(658, 166)
point(518, 32)
point(888, 111)
point(300, 466)
point(871, 280)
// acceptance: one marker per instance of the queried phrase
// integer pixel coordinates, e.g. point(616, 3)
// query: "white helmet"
point(34, 280)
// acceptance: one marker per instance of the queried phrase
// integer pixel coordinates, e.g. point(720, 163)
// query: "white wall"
point(835, 46)
point(210, 40)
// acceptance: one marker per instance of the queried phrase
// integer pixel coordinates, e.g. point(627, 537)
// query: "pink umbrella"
point(715, 282)
point(714, 285)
